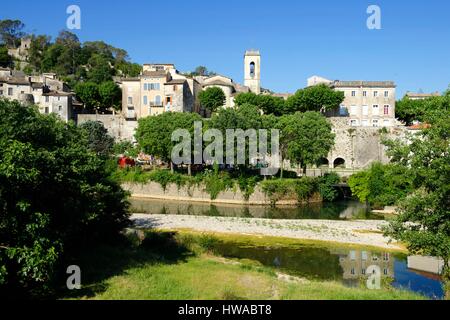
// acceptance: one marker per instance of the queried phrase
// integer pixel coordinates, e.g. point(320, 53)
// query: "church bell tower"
point(252, 70)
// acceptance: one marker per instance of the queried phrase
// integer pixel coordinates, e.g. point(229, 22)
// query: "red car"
point(125, 162)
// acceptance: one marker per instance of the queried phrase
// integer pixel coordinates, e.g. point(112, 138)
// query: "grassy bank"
point(168, 265)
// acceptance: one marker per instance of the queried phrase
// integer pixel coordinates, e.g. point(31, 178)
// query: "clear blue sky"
point(297, 39)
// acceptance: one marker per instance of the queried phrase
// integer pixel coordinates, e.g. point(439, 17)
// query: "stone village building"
point(368, 106)
point(46, 91)
point(161, 88)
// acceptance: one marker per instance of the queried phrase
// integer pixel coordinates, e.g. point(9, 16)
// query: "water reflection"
point(330, 211)
point(352, 267)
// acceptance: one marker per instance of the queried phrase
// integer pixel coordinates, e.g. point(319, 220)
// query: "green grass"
point(178, 266)
point(203, 278)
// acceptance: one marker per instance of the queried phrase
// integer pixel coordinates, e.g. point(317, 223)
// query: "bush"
point(208, 242)
point(216, 182)
point(247, 185)
point(278, 189)
point(326, 186)
point(303, 190)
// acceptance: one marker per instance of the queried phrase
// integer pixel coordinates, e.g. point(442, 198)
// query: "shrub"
point(305, 188)
point(247, 185)
point(208, 242)
point(326, 186)
point(216, 182)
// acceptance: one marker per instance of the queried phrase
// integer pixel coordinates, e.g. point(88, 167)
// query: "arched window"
point(252, 69)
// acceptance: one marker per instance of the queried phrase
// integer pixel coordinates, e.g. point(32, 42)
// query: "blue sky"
point(297, 39)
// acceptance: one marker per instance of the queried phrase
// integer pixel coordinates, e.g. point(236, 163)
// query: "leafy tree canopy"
point(154, 133)
point(56, 197)
point(318, 98)
point(5, 58)
point(11, 31)
point(212, 98)
point(423, 222)
point(99, 141)
point(409, 110)
point(305, 138)
point(266, 103)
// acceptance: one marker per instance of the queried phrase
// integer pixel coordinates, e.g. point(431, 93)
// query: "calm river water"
point(330, 211)
point(337, 263)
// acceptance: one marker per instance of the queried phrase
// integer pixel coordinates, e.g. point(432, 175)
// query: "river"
point(338, 263)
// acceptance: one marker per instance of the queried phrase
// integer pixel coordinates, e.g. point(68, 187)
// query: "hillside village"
point(142, 181)
point(367, 107)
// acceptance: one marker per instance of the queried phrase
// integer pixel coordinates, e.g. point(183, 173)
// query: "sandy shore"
point(361, 232)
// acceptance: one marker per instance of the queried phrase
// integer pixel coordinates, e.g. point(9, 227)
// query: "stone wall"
point(153, 190)
point(360, 146)
point(117, 125)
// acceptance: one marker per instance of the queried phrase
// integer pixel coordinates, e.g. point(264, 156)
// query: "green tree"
point(154, 134)
point(305, 138)
point(99, 141)
point(212, 98)
point(423, 222)
point(110, 95)
point(11, 32)
point(5, 58)
point(88, 93)
point(318, 98)
point(266, 103)
point(408, 110)
point(244, 117)
point(129, 69)
point(100, 69)
point(56, 197)
point(38, 47)
point(69, 48)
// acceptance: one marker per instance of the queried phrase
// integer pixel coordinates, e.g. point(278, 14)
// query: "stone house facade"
point(159, 88)
point(366, 103)
point(46, 91)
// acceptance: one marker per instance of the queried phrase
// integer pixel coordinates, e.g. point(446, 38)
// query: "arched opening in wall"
point(339, 163)
point(252, 69)
point(323, 163)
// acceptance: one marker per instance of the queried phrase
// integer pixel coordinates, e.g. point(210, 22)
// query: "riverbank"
point(359, 232)
point(183, 266)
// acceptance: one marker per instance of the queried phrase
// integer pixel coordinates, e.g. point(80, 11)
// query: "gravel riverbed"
point(361, 232)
